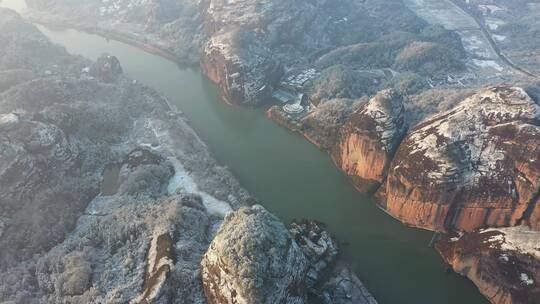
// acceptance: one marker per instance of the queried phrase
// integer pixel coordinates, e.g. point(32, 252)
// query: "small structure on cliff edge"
point(291, 91)
point(452, 80)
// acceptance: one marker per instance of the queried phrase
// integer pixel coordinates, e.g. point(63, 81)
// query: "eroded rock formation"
point(107, 68)
point(344, 287)
point(370, 138)
point(470, 167)
point(318, 246)
point(253, 259)
point(241, 76)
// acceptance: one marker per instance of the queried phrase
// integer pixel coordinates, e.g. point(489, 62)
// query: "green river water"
point(292, 178)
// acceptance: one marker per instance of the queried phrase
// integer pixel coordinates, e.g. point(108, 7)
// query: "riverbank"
point(121, 37)
point(156, 48)
point(305, 184)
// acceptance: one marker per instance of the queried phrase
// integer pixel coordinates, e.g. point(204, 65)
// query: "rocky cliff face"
point(242, 54)
point(503, 263)
point(473, 166)
point(344, 287)
point(370, 138)
point(241, 75)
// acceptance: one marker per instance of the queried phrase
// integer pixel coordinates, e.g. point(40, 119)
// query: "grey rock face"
point(318, 246)
point(344, 287)
point(253, 259)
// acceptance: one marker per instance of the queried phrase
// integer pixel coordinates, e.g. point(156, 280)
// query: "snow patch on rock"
point(182, 180)
point(519, 238)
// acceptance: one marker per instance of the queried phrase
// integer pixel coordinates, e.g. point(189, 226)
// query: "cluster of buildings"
point(451, 80)
point(291, 91)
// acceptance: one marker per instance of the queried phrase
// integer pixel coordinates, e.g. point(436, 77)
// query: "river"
point(291, 178)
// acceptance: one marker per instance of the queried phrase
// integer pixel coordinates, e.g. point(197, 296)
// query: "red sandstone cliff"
point(369, 139)
point(504, 264)
point(474, 166)
point(241, 77)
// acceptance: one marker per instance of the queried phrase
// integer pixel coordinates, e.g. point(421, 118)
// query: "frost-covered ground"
point(61, 125)
point(482, 58)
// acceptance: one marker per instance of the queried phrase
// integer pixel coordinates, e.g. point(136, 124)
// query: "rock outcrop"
point(107, 68)
point(253, 259)
point(473, 166)
point(503, 263)
point(370, 138)
point(242, 76)
point(319, 247)
point(344, 287)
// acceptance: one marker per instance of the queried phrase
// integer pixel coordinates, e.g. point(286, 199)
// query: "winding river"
point(291, 178)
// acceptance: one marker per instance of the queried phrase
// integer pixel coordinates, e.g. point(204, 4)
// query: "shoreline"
point(113, 35)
